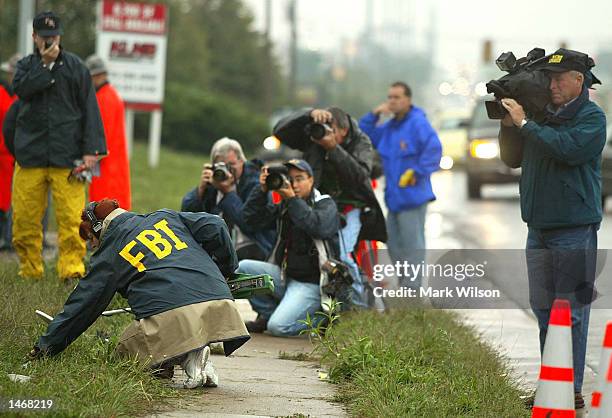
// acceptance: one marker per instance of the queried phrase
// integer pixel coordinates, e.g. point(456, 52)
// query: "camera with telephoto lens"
point(221, 171)
point(278, 175)
point(339, 277)
point(525, 82)
point(317, 131)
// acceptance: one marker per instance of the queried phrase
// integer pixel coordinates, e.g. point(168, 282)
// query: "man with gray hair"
point(224, 186)
point(560, 159)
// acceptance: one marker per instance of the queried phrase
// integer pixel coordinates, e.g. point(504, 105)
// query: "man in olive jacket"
point(58, 123)
point(560, 194)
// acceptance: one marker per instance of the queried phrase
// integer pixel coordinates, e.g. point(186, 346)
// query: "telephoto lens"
point(277, 176)
point(317, 131)
point(220, 172)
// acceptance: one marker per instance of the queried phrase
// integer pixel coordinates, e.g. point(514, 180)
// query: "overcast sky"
point(459, 26)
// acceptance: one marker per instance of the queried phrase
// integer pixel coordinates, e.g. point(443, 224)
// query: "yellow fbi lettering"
point(155, 242)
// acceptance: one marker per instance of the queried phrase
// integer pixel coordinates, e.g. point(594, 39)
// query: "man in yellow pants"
point(58, 123)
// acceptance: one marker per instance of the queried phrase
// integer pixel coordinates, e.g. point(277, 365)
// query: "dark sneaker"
point(578, 400)
point(529, 400)
point(259, 325)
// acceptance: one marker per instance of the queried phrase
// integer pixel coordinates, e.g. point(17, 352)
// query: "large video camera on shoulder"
point(525, 82)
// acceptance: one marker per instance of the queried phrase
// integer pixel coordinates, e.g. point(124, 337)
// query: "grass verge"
point(417, 363)
point(87, 380)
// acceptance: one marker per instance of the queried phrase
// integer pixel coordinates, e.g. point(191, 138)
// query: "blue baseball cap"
point(300, 165)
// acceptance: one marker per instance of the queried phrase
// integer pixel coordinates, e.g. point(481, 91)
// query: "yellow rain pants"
point(30, 190)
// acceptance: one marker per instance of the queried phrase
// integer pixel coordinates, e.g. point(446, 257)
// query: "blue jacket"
point(158, 262)
point(232, 207)
point(410, 143)
point(561, 165)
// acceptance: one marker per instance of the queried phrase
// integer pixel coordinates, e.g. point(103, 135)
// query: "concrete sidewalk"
point(255, 382)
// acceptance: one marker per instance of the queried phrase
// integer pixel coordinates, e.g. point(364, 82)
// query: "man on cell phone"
point(57, 124)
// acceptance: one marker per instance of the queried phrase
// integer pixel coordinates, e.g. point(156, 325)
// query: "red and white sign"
point(132, 40)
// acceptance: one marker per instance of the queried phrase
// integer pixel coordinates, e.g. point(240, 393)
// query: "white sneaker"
point(210, 378)
point(193, 368)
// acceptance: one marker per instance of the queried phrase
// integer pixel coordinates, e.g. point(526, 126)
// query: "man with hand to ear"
point(58, 124)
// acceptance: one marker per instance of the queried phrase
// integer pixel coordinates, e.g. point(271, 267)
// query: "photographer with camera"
point(307, 239)
point(224, 187)
point(58, 123)
point(341, 157)
point(560, 157)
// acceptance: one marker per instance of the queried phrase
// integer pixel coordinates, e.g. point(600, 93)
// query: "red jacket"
point(114, 180)
point(6, 159)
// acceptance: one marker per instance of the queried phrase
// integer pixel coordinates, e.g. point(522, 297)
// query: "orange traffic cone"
point(605, 406)
point(604, 366)
point(555, 393)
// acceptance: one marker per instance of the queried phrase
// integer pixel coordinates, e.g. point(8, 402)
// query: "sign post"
point(132, 39)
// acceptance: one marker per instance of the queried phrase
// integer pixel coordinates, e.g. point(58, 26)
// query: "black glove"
point(35, 354)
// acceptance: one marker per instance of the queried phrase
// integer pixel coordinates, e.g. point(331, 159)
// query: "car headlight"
point(271, 143)
point(484, 148)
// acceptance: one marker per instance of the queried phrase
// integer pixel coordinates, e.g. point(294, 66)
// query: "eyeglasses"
point(298, 179)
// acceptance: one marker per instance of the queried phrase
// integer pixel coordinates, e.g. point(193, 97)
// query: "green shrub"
point(194, 119)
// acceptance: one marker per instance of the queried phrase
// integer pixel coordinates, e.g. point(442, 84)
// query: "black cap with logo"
point(47, 24)
point(563, 60)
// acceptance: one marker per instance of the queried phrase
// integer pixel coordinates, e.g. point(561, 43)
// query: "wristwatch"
point(523, 123)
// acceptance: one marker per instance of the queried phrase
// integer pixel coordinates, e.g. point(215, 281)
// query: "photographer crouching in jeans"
point(224, 187)
point(307, 225)
point(342, 159)
point(560, 195)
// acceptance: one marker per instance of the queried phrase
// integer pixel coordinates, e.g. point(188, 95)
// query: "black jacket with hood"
point(352, 163)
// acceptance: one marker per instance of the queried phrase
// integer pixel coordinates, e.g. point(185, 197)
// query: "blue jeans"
point(289, 304)
point(561, 264)
point(406, 239)
point(348, 239)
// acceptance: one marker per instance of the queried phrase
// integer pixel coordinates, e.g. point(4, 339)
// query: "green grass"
point(164, 186)
point(87, 379)
point(417, 363)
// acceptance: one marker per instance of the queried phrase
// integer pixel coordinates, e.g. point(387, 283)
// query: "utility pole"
point(24, 29)
point(292, 14)
point(268, 91)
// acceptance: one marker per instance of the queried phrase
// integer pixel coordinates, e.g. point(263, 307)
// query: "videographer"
point(224, 187)
point(341, 157)
point(560, 194)
point(171, 268)
point(307, 224)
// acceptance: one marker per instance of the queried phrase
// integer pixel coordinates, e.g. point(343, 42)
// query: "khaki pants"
point(30, 189)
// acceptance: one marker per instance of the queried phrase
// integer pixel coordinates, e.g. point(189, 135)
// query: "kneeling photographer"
point(224, 187)
point(559, 150)
point(307, 225)
point(342, 159)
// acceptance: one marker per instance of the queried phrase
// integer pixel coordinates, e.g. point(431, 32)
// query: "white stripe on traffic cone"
point(604, 365)
point(605, 406)
point(555, 393)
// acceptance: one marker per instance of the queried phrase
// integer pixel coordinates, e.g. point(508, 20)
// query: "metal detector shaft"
point(49, 318)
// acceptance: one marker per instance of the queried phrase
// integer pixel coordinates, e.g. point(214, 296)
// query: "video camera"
point(525, 82)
